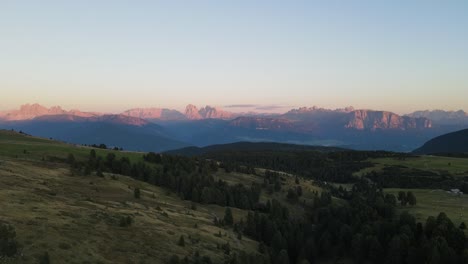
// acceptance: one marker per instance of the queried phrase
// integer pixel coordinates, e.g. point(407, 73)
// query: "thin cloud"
point(241, 106)
point(270, 107)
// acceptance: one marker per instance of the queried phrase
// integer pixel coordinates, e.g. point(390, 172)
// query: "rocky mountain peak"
point(191, 112)
point(373, 120)
point(214, 112)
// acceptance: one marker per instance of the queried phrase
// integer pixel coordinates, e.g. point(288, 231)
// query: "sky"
point(111, 55)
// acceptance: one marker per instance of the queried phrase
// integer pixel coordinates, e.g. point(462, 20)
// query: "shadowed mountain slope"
point(455, 142)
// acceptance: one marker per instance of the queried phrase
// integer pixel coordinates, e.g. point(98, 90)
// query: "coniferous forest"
point(364, 227)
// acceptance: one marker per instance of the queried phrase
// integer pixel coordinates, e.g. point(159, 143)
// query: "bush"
point(174, 260)
point(181, 241)
point(228, 219)
point(462, 226)
point(137, 193)
point(44, 259)
point(125, 221)
point(8, 243)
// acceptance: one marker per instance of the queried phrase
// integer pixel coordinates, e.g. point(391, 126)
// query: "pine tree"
point(402, 197)
point(411, 198)
point(137, 193)
point(181, 241)
point(228, 219)
point(462, 226)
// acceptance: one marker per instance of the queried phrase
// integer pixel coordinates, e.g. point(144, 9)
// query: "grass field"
point(76, 218)
point(432, 202)
point(454, 166)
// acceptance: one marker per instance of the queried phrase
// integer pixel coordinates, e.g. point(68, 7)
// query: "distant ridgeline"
point(315, 162)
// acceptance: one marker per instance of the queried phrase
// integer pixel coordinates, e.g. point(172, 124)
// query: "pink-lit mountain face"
point(207, 112)
point(155, 114)
point(350, 118)
point(31, 111)
point(441, 117)
point(191, 113)
point(373, 120)
point(302, 119)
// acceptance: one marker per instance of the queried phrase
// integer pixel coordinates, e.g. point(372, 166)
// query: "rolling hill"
point(455, 142)
point(250, 147)
point(113, 130)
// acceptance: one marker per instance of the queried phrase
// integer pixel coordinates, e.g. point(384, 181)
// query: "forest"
point(366, 228)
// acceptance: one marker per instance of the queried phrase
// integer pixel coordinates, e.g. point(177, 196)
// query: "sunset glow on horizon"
point(262, 56)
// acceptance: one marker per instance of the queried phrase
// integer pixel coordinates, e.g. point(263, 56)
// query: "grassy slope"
point(458, 166)
point(308, 188)
point(432, 202)
point(76, 218)
point(13, 144)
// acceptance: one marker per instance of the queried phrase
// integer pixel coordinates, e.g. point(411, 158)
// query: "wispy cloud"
point(241, 106)
point(270, 107)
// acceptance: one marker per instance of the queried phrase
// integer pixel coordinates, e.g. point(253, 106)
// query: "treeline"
point(190, 178)
point(365, 229)
point(103, 146)
point(326, 166)
point(402, 177)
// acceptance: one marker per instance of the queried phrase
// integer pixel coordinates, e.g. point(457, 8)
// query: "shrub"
point(44, 259)
point(137, 193)
point(125, 221)
point(181, 241)
point(8, 243)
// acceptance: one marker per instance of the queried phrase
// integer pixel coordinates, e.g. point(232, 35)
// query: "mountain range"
point(442, 117)
point(165, 129)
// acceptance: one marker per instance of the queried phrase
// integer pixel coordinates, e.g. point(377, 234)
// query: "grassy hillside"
point(16, 145)
point(432, 202)
point(437, 164)
point(76, 219)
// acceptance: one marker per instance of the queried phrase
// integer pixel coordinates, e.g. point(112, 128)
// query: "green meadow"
point(432, 202)
point(454, 166)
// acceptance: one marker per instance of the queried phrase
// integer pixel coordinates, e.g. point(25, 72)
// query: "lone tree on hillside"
point(402, 198)
point(462, 226)
point(181, 241)
point(8, 244)
point(228, 219)
point(137, 193)
point(411, 198)
point(71, 159)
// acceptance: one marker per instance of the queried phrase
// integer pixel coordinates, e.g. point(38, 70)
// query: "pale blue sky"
point(113, 55)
